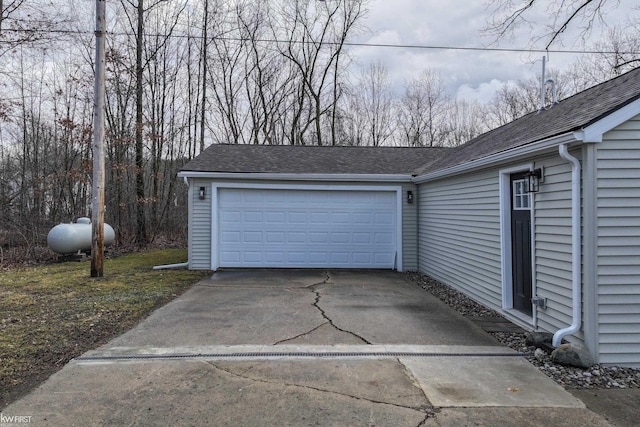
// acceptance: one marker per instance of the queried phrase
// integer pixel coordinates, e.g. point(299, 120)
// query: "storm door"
point(521, 244)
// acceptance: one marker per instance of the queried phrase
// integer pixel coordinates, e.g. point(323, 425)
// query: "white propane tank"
point(74, 237)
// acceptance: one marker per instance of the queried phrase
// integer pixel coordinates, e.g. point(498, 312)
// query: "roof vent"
point(543, 88)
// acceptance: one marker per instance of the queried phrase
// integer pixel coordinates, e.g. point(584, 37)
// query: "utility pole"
point(97, 189)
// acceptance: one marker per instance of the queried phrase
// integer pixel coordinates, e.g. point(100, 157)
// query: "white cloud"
point(457, 23)
point(481, 93)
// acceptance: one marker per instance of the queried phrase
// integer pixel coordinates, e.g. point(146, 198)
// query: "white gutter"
point(576, 278)
point(298, 176)
point(500, 157)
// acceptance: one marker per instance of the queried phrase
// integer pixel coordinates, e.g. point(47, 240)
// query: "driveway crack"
point(426, 409)
point(316, 304)
point(301, 335)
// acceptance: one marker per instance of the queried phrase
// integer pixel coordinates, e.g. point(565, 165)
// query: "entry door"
point(521, 244)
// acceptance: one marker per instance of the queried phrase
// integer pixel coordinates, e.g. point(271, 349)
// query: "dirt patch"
point(55, 312)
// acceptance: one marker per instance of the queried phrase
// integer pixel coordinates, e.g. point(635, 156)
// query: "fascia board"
point(296, 176)
point(498, 158)
point(595, 131)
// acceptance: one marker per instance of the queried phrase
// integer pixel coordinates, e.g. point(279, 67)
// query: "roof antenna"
point(543, 84)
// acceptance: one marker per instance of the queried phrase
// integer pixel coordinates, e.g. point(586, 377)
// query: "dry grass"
point(54, 312)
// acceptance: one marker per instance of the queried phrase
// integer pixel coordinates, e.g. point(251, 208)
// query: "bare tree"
point(46, 111)
point(137, 25)
point(422, 111)
point(227, 79)
point(618, 53)
point(372, 100)
point(515, 99)
point(464, 121)
point(512, 101)
point(269, 77)
point(314, 35)
point(29, 22)
point(507, 16)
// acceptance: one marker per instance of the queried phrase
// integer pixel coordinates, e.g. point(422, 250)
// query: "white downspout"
point(576, 264)
point(168, 266)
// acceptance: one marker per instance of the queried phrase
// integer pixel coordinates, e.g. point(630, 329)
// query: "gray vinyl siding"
point(459, 237)
point(459, 234)
point(553, 251)
point(200, 221)
point(200, 227)
point(618, 245)
point(410, 229)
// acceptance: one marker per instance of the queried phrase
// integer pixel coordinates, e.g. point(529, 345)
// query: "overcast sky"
point(469, 74)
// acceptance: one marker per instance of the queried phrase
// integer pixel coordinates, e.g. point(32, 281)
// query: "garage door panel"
point(275, 257)
point(338, 238)
point(252, 257)
point(231, 216)
point(252, 237)
point(362, 257)
point(275, 237)
point(384, 238)
point(297, 217)
point(272, 217)
point(340, 258)
point(252, 216)
point(319, 217)
point(315, 237)
point(230, 237)
point(384, 219)
point(230, 257)
point(363, 218)
point(296, 237)
point(300, 228)
point(296, 257)
point(362, 238)
point(382, 258)
point(340, 218)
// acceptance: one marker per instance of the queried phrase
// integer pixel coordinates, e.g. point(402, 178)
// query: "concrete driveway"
point(302, 347)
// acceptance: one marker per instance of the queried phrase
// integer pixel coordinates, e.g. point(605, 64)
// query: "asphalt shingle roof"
point(571, 114)
point(242, 158)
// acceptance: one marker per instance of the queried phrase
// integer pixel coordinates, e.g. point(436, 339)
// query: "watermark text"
point(15, 419)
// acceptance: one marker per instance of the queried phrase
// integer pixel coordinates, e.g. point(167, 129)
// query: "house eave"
point(498, 158)
point(594, 132)
point(296, 176)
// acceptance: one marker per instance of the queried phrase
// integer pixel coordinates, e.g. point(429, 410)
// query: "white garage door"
point(306, 228)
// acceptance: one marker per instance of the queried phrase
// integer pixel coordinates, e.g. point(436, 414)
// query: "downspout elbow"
point(576, 277)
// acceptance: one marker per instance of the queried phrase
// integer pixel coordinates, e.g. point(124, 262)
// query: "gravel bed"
point(596, 377)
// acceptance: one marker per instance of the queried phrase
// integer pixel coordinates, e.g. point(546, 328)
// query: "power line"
point(352, 44)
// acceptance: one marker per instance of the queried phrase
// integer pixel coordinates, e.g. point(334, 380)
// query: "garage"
point(306, 228)
point(304, 206)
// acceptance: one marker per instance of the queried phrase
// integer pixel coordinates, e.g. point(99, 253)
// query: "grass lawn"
point(52, 313)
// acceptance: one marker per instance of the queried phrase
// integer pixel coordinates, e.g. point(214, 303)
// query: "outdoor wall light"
point(201, 193)
point(533, 180)
point(409, 196)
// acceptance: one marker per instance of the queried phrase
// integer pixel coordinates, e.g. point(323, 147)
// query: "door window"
point(521, 199)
